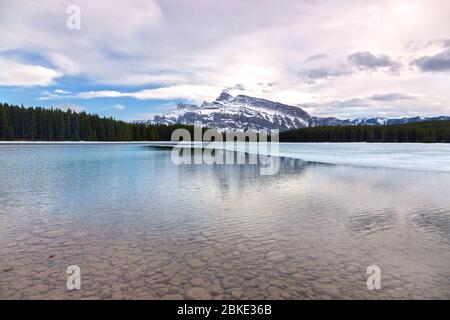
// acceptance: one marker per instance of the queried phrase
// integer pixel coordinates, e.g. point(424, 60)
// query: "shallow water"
point(139, 226)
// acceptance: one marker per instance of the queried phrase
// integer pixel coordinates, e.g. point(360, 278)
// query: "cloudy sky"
point(132, 59)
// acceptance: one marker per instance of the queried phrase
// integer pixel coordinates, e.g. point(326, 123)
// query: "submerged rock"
point(198, 293)
point(195, 263)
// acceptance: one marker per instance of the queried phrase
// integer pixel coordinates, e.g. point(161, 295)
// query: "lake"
point(140, 227)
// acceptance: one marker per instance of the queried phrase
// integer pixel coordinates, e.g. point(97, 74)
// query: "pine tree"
point(6, 130)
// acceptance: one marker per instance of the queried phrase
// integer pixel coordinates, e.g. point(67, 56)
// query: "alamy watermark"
point(373, 20)
point(233, 147)
point(73, 21)
point(374, 279)
point(74, 279)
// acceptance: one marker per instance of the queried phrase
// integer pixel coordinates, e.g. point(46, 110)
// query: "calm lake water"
point(139, 226)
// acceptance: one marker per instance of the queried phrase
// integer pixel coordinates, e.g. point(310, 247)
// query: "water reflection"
point(372, 221)
point(141, 227)
point(435, 220)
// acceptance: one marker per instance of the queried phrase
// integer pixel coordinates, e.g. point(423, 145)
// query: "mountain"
point(386, 121)
point(248, 113)
point(240, 112)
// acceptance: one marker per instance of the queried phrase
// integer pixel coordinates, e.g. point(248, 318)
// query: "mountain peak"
point(249, 113)
point(186, 106)
point(225, 96)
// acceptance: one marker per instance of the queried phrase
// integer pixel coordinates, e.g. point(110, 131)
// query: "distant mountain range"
point(248, 113)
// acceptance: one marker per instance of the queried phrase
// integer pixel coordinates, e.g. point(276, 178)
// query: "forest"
point(41, 124)
point(428, 132)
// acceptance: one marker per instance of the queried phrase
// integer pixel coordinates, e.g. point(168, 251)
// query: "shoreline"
point(25, 142)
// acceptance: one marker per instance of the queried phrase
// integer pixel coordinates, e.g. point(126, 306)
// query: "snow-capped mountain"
point(248, 113)
point(385, 121)
point(240, 112)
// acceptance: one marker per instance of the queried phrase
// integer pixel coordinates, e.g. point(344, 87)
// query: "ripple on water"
point(140, 227)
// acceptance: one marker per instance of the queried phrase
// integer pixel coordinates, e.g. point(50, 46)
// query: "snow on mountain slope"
point(240, 112)
point(248, 113)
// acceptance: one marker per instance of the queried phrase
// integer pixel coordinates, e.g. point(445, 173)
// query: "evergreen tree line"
point(20, 123)
point(436, 131)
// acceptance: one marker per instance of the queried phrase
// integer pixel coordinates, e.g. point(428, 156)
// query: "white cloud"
point(19, 74)
point(193, 93)
point(186, 92)
point(119, 107)
point(63, 63)
point(55, 95)
point(60, 91)
point(390, 105)
point(194, 49)
point(100, 94)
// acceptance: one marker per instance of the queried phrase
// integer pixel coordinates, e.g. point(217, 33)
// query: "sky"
point(137, 58)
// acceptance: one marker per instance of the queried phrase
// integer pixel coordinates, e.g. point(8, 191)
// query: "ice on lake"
point(411, 156)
